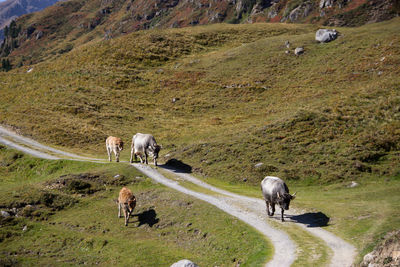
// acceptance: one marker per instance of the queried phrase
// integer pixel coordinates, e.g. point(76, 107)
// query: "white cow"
point(144, 144)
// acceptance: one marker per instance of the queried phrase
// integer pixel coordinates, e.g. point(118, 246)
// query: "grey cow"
point(144, 145)
point(275, 191)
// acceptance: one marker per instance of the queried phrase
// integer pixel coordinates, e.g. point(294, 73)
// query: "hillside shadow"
point(311, 219)
point(178, 166)
point(148, 217)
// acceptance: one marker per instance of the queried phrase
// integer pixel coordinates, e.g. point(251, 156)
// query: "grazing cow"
point(144, 144)
point(127, 201)
point(275, 191)
point(114, 144)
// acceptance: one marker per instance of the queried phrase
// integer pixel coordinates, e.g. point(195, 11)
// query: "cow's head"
point(284, 200)
point(121, 146)
point(131, 203)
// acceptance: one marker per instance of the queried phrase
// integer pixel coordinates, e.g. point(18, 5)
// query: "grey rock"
point(175, 99)
point(353, 184)
point(184, 263)
point(298, 51)
point(301, 11)
point(368, 258)
point(325, 35)
point(39, 35)
point(25, 228)
point(117, 176)
point(325, 3)
point(5, 214)
point(258, 165)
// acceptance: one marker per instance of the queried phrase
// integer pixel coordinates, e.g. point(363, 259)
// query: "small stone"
point(258, 165)
point(244, 180)
point(175, 99)
point(117, 176)
point(287, 44)
point(380, 73)
point(25, 228)
point(352, 184)
point(298, 51)
point(30, 70)
point(5, 214)
point(368, 258)
point(287, 52)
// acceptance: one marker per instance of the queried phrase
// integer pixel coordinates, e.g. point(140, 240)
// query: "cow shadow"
point(148, 217)
point(311, 219)
point(177, 166)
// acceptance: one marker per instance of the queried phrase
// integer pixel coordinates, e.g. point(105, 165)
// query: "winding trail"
point(248, 209)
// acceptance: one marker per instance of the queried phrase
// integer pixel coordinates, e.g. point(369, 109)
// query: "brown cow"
point(114, 144)
point(128, 202)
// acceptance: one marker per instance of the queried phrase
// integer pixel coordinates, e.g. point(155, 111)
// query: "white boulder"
point(326, 35)
point(184, 263)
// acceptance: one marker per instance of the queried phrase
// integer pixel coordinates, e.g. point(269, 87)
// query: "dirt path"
point(250, 210)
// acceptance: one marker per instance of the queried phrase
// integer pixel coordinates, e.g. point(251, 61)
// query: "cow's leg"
point(268, 212)
point(140, 157)
point(132, 152)
point(145, 156)
point(126, 215)
point(282, 215)
point(155, 162)
point(116, 154)
point(109, 153)
point(273, 209)
point(119, 210)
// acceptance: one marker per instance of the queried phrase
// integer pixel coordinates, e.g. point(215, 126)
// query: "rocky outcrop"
point(326, 3)
point(325, 35)
point(387, 254)
point(298, 13)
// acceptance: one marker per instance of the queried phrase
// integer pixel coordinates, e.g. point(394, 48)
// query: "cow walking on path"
point(144, 145)
point(114, 144)
point(275, 191)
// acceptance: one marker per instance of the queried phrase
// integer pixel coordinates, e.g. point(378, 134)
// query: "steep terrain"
point(44, 35)
point(229, 102)
point(12, 9)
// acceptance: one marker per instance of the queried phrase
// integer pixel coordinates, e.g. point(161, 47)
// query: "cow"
point(144, 144)
point(127, 201)
point(114, 144)
point(275, 191)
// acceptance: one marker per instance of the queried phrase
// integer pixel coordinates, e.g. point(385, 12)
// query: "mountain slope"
point(330, 114)
point(44, 35)
point(12, 9)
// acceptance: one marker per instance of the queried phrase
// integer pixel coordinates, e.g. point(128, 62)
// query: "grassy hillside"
point(328, 115)
point(69, 212)
point(318, 120)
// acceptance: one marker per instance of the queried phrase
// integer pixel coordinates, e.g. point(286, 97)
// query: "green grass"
point(361, 215)
point(81, 227)
point(318, 120)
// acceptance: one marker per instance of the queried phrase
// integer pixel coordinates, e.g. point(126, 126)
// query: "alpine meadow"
point(228, 104)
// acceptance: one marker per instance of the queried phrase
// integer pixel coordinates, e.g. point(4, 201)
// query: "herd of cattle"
point(274, 189)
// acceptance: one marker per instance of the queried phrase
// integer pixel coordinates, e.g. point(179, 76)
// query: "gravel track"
point(250, 210)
